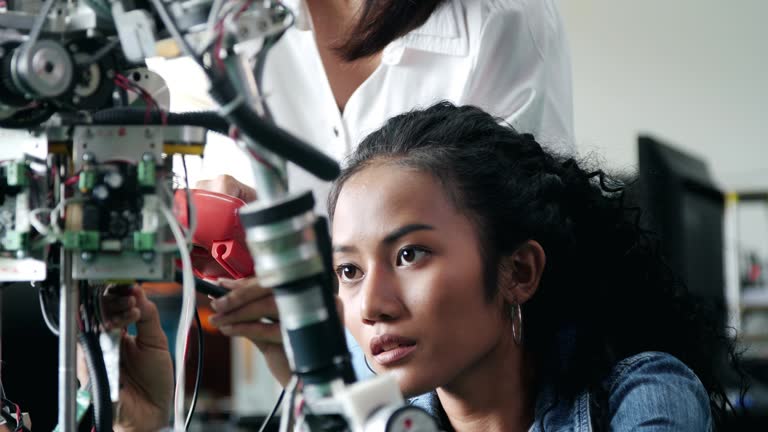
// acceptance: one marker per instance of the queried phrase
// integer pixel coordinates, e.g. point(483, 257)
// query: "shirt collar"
point(440, 34)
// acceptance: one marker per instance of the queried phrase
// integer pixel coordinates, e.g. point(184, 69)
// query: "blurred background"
point(671, 88)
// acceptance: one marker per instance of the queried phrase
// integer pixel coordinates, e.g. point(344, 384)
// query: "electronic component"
point(23, 191)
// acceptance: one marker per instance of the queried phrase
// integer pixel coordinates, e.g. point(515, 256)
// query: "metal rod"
point(67, 345)
point(2, 389)
point(270, 185)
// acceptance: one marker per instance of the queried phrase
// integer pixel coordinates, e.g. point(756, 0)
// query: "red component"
point(219, 248)
point(408, 423)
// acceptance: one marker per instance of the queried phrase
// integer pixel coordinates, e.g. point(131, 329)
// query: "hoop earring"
point(516, 313)
point(365, 359)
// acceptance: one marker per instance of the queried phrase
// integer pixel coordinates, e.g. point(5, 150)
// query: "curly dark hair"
point(605, 294)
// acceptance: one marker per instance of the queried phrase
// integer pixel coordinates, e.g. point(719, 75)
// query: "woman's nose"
point(381, 300)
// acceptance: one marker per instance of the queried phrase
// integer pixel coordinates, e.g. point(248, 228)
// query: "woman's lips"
point(388, 348)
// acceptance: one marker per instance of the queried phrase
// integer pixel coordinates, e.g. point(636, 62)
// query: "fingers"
point(244, 291)
point(149, 332)
point(82, 367)
point(258, 332)
point(118, 307)
point(228, 185)
point(253, 311)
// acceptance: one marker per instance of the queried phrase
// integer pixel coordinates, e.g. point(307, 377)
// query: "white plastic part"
point(361, 399)
point(136, 30)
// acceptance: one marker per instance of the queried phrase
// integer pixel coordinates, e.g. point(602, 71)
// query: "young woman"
point(349, 65)
point(514, 286)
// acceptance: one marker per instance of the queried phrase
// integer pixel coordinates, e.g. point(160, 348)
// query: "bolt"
point(88, 157)
point(148, 157)
point(86, 256)
point(100, 192)
point(113, 179)
point(148, 256)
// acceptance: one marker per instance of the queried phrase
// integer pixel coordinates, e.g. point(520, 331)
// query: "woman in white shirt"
point(338, 74)
point(349, 65)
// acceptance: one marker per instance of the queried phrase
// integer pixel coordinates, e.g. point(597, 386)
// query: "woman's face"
point(411, 278)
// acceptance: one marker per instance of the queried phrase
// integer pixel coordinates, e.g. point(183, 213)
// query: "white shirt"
point(508, 57)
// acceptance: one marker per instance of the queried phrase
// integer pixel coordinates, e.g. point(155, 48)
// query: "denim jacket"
point(651, 391)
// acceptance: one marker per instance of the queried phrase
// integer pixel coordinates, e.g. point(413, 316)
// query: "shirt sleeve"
point(522, 70)
point(655, 392)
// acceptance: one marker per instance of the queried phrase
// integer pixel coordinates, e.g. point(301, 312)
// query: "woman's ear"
point(520, 272)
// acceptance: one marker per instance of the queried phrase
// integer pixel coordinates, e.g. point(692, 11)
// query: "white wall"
point(692, 72)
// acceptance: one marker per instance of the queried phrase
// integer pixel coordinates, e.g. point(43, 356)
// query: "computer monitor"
point(684, 206)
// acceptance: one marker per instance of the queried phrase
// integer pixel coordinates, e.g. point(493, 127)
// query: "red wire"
point(128, 85)
point(19, 420)
point(219, 28)
point(219, 42)
point(72, 180)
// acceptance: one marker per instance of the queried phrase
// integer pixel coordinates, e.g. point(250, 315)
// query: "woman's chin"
point(412, 383)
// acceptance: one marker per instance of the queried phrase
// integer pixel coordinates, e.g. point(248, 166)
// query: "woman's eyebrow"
point(389, 239)
point(404, 230)
point(344, 248)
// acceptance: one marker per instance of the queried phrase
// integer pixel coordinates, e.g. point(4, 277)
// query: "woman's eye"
point(410, 255)
point(348, 273)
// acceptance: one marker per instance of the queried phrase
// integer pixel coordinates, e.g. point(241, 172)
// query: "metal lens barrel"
point(291, 253)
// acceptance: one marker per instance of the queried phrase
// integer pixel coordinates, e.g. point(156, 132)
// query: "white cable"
point(192, 216)
point(213, 15)
point(290, 393)
point(185, 320)
point(35, 222)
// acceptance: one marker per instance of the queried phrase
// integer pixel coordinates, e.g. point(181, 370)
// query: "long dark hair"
point(606, 292)
point(379, 22)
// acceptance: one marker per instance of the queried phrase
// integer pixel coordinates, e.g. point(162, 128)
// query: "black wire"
point(200, 348)
point(10, 420)
point(189, 196)
point(98, 379)
point(274, 410)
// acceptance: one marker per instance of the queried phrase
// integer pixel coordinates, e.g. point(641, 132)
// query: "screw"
point(100, 192)
point(148, 133)
point(88, 132)
point(148, 157)
point(20, 254)
point(88, 157)
point(86, 256)
point(148, 256)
